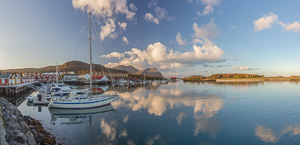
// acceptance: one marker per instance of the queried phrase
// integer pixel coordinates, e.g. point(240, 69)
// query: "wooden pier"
point(82, 83)
point(14, 90)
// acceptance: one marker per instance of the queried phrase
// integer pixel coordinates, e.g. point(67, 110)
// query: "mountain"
point(150, 72)
point(129, 68)
point(75, 66)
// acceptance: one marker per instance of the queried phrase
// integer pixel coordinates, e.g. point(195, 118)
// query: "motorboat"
point(42, 98)
point(155, 83)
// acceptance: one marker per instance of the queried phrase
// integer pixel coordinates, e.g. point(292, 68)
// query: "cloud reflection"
point(268, 135)
point(158, 102)
point(209, 126)
point(151, 141)
point(109, 129)
point(180, 118)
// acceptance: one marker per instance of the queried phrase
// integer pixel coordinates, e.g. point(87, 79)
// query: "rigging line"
point(94, 31)
point(76, 49)
point(100, 45)
point(78, 37)
point(97, 45)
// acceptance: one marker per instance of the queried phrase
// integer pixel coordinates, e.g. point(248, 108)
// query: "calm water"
point(184, 113)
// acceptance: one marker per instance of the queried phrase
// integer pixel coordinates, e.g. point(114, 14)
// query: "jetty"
point(13, 90)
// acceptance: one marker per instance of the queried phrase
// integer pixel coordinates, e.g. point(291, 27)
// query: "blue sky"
point(183, 37)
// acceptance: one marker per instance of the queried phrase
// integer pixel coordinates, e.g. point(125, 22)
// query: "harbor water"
point(183, 113)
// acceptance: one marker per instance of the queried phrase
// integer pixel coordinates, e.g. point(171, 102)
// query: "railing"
point(11, 84)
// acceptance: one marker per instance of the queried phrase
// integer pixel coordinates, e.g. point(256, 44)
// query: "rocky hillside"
point(18, 129)
point(129, 68)
point(75, 66)
point(150, 72)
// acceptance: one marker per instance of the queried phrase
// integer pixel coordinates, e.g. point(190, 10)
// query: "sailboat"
point(83, 101)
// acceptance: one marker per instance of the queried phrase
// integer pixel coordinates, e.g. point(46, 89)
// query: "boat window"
point(80, 93)
point(65, 94)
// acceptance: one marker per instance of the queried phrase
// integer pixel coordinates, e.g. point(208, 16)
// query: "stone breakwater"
point(18, 129)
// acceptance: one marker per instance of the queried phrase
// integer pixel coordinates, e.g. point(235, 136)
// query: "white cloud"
point(152, 3)
point(243, 68)
point(265, 22)
point(125, 40)
point(133, 7)
point(195, 41)
point(108, 30)
point(150, 18)
point(209, 31)
point(108, 10)
point(235, 68)
point(121, 7)
point(114, 55)
point(110, 65)
point(157, 54)
point(294, 27)
point(161, 13)
point(122, 25)
point(104, 8)
point(209, 8)
point(180, 40)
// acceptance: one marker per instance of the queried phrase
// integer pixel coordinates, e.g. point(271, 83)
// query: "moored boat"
point(86, 100)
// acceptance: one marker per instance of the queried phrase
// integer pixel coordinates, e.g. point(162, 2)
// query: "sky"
point(178, 37)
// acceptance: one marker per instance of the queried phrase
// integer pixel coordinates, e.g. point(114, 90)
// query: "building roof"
point(4, 76)
point(68, 75)
point(97, 90)
point(98, 77)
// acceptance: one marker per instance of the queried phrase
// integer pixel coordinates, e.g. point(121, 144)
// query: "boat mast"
point(56, 73)
point(91, 71)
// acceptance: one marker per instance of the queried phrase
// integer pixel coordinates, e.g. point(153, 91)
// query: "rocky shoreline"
point(18, 129)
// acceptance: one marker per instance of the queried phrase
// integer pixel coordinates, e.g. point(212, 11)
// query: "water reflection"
point(160, 101)
point(84, 120)
point(183, 113)
point(209, 126)
point(270, 136)
point(152, 140)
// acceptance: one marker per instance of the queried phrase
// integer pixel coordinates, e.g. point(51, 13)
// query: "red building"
point(4, 80)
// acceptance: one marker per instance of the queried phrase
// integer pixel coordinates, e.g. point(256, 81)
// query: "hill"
point(75, 66)
point(150, 72)
point(129, 68)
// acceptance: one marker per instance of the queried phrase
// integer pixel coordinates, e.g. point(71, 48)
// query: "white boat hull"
point(72, 112)
point(82, 104)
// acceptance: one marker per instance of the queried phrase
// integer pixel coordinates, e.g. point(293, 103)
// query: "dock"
point(13, 90)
